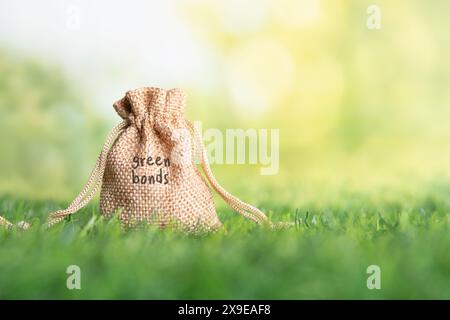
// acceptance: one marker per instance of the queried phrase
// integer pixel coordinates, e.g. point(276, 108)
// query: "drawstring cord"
point(5, 223)
point(94, 182)
point(237, 204)
point(87, 193)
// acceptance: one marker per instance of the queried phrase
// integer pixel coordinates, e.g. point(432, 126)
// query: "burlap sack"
point(147, 169)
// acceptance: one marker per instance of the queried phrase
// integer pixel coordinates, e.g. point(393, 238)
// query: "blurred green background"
point(363, 114)
point(355, 106)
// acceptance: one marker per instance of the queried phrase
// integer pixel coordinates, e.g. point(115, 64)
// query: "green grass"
point(324, 256)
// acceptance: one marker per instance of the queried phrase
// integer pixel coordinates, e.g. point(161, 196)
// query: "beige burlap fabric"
point(147, 171)
point(164, 185)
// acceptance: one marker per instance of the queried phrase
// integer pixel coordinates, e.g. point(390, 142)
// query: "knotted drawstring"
point(237, 204)
point(89, 190)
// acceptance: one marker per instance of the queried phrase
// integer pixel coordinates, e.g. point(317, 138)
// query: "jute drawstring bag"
point(147, 171)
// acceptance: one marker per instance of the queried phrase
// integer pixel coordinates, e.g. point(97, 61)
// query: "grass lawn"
point(325, 256)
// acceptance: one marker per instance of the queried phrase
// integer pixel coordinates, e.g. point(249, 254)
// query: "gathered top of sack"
point(147, 171)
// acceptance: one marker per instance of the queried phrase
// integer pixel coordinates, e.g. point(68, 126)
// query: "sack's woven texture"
point(157, 137)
